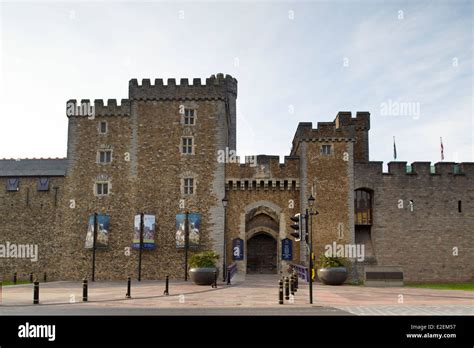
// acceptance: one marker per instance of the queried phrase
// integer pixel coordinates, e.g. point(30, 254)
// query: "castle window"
point(325, 150)
point(13, 185)
point(411, 205)
point(102, 188)
point(43, 184)
point(363, 207)
point(187, 145)
point(105, 156)
point(456, 169)
point(103, 127)
point(459, 207)
point(189, 116)
point(188, 186)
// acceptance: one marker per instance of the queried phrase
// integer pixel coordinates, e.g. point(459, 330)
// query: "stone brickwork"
point(30, 217)
point(422, 241)
point(429, 239)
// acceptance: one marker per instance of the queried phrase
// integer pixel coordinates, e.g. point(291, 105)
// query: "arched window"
point(363, 207)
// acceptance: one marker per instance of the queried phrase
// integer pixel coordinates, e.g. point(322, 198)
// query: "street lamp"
point(311, 200)
point(225, 201)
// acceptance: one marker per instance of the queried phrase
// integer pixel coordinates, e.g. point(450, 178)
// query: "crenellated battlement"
point(360, 122)
point(215, 87)
point(343, 128)
point(263, 167)
point(400, 168)
point(84, 108)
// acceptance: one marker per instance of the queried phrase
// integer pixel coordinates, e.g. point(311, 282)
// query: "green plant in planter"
point(204, 259)
point(330, 261)
point(332, 270)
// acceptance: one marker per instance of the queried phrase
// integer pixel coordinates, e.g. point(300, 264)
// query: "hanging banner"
point(194, 223)
point(149, 227)
point(90, 232)
point(237, 249)
point(287, 249)
point(103, 225)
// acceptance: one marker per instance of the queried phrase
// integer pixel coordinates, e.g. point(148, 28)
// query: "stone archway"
point(262, 225)
point(262, 254)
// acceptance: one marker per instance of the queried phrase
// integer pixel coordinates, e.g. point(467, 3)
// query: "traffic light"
point(296, 226)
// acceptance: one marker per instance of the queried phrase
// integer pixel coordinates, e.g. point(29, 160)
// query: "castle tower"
point(157, 154)
point(327, 156)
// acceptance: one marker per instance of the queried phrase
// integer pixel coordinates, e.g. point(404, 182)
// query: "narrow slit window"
point(459, 206)
point(103, 127)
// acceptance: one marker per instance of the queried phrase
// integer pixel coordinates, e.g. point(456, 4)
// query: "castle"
point(158, 153)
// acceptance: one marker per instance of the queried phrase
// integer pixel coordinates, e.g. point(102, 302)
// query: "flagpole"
point(394, 149)
point(442, 148)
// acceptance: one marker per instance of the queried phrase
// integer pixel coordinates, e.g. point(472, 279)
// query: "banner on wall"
point(287, 249)
point(149, 228)
point(103, 226)
point(194, 223)
point(237, 249)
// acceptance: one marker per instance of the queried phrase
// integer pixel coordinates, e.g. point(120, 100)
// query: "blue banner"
point(237, 249)
point(287, 249)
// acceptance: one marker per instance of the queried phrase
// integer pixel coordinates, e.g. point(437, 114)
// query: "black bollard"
point(45, 277)
point(287, 289)
point(84, 290)
point(14, 278)
point(292, 284)
point(214, 285)
point(280, 292)
point(296, 281)
point(167, 292)
point(129, 288)
point(228, 277)
point(31, 277)
point(36, 292)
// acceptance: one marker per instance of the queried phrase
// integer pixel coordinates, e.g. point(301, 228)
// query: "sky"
point(409, 63)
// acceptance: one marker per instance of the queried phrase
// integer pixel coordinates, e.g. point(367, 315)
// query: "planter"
point(203, 276)
point(333, 276)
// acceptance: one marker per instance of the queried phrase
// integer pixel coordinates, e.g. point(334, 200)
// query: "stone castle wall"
point(147, 169)
point(422, 241)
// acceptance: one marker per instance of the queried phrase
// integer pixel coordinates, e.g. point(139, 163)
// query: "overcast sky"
point(295, 62)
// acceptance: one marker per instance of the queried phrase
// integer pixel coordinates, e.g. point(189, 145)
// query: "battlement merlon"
point(360, 122)
point(84, 108)
point(215, 87)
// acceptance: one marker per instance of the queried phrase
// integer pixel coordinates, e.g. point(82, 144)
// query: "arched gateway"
point(262, 225)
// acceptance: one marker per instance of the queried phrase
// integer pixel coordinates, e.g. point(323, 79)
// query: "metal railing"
point(231, 271)
point(301, 271)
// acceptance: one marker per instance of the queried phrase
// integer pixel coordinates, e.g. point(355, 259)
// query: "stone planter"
point(333, 276)
point(203, 276)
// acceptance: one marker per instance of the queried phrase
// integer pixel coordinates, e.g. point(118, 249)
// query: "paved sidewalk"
point(257, 295)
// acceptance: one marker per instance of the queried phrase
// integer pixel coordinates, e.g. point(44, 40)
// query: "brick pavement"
point(258, 291)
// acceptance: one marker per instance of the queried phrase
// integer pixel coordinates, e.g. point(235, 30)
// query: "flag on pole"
point(394, 149)
point(442, 148)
